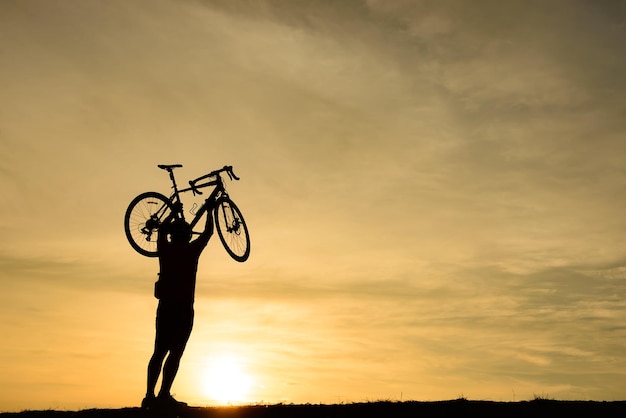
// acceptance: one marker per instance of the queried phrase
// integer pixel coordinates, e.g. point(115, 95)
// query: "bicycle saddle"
point(169, 167)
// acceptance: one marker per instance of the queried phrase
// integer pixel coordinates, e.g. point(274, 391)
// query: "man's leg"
point(169, 372)
point(161, 343)
point(175, 353)
point(154, 370)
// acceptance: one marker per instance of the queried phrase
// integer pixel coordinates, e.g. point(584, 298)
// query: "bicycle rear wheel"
point(142, 220)
point(232, 229)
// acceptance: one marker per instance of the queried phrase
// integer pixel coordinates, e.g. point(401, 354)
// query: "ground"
point(441, 409)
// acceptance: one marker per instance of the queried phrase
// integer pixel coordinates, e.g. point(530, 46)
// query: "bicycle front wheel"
point(142, 220)
point(232, 229)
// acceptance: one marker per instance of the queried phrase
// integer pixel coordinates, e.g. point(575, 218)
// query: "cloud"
point(433, 189)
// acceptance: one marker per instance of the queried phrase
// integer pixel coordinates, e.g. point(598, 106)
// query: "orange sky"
point(433, 190)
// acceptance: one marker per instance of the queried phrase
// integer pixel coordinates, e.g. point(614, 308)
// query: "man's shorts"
point(174, 322)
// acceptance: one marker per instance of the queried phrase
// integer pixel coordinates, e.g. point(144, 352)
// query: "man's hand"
point(177, 207)
point(210, 204)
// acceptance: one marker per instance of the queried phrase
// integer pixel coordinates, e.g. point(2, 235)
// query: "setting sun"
point(226, 380)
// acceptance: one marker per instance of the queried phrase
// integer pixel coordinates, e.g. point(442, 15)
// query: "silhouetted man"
point(175, 289)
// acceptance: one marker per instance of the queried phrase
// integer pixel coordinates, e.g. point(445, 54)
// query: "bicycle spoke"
point(142, 221)
point(232, 230)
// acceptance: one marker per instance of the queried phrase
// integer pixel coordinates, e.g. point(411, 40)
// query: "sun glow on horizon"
point(226, 381)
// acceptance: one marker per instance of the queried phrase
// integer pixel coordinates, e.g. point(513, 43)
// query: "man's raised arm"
point(204, 237)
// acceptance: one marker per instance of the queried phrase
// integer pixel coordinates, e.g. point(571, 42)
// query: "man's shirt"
point(178, 264)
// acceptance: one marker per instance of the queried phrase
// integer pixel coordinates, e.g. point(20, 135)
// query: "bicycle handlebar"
point(227, 168)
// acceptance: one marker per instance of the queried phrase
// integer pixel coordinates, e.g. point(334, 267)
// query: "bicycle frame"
point(147, 211)
point(218, 192)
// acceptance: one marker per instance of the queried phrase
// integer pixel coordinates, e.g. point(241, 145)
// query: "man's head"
point(180, 231)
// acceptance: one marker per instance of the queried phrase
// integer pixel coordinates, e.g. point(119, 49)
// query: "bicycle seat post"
point(174, 186)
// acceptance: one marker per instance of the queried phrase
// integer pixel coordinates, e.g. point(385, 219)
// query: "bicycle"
point(146, 213)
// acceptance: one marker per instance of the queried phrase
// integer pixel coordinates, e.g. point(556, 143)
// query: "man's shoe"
point(148, 402)
point(169, 401)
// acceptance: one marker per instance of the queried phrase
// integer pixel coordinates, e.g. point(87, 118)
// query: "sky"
point(433, 189)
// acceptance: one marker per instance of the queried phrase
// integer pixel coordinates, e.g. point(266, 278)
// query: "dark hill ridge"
point(439, 409)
